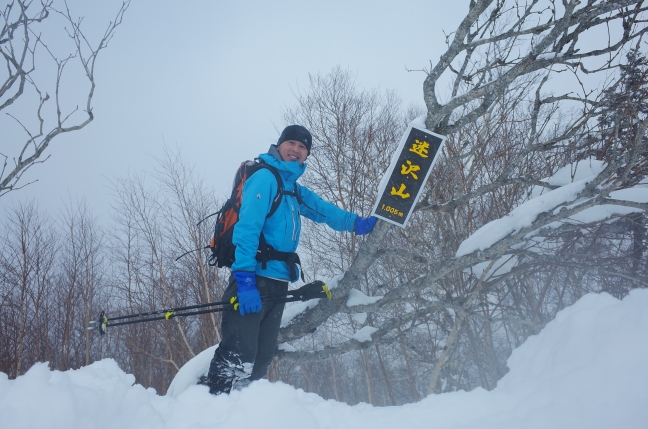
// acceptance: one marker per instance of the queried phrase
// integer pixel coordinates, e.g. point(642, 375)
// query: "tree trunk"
point(384, 372)
point(370, 392)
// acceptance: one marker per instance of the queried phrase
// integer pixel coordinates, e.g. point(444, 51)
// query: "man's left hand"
point(364, 225)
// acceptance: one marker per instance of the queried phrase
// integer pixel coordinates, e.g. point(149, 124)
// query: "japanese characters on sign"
point(407, 175)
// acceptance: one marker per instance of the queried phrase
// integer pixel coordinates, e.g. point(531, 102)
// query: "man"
point(249, 336)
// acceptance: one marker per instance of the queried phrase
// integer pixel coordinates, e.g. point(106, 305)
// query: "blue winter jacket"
point(282, 229)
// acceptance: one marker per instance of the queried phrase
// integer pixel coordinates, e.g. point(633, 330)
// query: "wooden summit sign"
point(407, 174)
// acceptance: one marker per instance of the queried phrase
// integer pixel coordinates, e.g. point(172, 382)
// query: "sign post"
point(407, 174)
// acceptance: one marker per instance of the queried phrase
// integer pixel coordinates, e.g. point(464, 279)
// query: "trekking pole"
point(316, 289)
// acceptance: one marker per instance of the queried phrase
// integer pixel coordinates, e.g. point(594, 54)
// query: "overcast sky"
point(212, 78)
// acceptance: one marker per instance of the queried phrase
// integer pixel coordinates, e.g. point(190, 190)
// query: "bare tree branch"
point(19, 73)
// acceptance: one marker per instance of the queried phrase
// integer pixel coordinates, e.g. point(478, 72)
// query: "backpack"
point(221, 246)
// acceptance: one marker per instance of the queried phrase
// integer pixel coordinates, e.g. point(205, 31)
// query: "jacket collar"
point(290, 171)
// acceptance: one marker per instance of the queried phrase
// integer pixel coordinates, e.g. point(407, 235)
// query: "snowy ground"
point(586, 369)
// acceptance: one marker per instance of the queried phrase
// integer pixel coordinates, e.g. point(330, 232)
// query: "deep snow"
point(586, 369)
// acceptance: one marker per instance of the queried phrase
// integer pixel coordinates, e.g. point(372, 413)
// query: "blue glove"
point(248, 295)
point(364, 225)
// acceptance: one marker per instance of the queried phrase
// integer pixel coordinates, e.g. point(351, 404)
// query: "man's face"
point(293, 150)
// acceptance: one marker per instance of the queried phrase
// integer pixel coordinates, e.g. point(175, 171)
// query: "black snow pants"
point(248, 342)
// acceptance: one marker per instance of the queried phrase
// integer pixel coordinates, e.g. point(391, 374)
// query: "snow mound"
point(586, 369)
point(191, 372)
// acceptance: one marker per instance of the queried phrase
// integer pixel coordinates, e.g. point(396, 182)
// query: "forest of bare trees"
point(539, 198)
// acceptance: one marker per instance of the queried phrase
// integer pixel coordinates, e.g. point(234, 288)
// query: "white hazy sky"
point(212, 77)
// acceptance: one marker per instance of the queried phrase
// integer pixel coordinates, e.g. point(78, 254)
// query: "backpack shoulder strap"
point(280, 188)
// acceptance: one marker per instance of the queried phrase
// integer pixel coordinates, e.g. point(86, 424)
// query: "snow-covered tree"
point(540, 194)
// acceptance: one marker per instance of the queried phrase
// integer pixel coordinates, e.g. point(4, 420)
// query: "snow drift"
point(586, 369)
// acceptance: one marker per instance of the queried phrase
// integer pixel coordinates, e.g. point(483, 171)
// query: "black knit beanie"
point(298, 133)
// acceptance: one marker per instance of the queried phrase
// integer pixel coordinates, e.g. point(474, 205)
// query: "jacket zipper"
point(292, 209)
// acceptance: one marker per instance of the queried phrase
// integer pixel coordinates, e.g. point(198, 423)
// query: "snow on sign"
point(407, 174)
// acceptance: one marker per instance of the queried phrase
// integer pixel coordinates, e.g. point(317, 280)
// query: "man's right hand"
point(248, 295)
